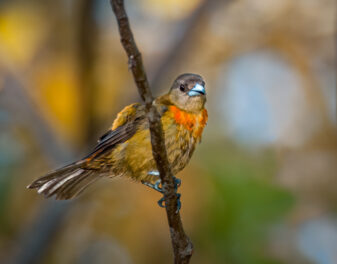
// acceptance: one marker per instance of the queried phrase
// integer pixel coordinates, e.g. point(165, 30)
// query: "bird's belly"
point(180, 146)
point(138, 159)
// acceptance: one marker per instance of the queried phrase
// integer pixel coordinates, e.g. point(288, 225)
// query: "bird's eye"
point(182, 87)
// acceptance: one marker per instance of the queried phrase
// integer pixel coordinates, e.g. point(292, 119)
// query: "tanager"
point(125, 150)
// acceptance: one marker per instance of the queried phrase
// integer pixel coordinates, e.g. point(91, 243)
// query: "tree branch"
point(87, 40)
point(182, 245)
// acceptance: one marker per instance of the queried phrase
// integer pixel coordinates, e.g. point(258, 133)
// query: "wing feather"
point(69, 181)
point(129, 119)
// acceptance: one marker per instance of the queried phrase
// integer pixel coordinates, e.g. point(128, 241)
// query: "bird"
point(125, 149)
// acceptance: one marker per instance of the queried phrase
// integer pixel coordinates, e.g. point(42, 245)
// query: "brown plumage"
point(125, 150)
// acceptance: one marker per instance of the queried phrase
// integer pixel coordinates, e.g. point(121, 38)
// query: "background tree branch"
point(182, 245)
point(186, 30)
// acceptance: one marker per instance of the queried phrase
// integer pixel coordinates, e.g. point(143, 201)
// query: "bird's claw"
point(177, 183)
point(157, 186)
point(162, 201)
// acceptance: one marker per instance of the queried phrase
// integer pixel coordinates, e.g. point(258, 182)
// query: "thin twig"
point(182, 245)
point(87, 42)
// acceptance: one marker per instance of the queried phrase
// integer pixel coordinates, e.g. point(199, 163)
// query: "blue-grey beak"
point(197, 90)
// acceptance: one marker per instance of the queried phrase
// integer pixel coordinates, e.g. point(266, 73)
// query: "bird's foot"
point(162, 201)
point(177, 183)
point(157, 186)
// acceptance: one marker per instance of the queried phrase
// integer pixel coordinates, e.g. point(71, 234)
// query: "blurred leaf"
point(6, 175)
point(21, 30)
point(171, 9)
point(10, 156)
point(243, 207)
point(58, 94)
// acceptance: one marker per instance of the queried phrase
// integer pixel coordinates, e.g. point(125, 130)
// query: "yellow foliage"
point(58, 95)
point(170, 9)
point(21, 30)
point(1, 81)
point(110, 78)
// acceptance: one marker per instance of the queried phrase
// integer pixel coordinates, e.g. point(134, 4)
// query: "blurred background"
point(260, 189)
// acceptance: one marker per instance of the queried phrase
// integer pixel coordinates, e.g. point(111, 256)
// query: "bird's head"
point(188, 92)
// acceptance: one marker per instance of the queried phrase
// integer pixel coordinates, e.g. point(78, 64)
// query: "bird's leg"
point(156, 186)
point(177, 183)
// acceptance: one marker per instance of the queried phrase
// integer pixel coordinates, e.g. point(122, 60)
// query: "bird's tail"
point(66, 182)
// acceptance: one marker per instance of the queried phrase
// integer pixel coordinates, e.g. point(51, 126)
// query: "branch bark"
point(182, 246)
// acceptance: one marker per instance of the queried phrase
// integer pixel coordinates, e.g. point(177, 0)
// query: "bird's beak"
point(197, 90)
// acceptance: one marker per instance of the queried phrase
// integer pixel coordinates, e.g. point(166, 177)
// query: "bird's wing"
point(69, 181)
point(123, 128)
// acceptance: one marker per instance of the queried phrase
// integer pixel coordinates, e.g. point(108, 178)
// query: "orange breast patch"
point(193, 122)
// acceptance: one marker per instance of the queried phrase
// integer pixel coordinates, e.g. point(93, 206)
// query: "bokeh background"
point(260, 189)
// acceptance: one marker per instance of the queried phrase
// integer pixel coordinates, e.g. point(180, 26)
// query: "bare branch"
point(182, 245)
point(87, 41)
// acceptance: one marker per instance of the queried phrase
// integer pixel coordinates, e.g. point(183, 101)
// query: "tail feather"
point(54, 174)
point(65, 183)
point(76, 185)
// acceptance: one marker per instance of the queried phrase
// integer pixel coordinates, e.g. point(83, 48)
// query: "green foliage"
point(5, 184)
point(10, 155)
point(243, 207)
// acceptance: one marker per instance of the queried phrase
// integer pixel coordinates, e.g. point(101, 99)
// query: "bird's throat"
point(194, 122)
